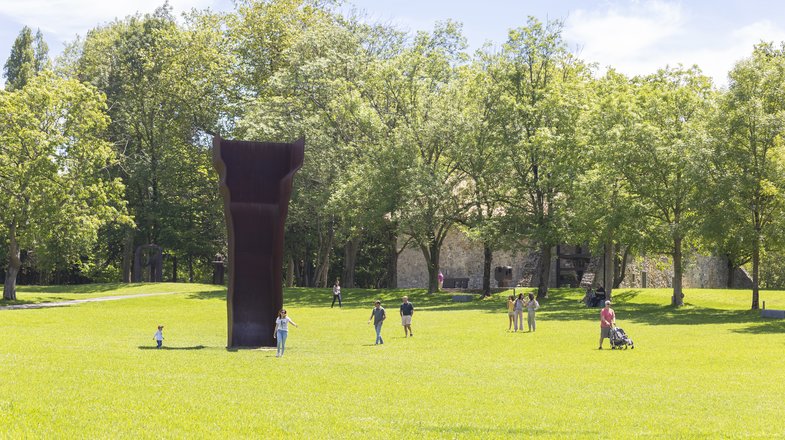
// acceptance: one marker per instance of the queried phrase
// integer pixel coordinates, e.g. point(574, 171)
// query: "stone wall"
point(460, 258)
point(463, 258)
point(700, 271)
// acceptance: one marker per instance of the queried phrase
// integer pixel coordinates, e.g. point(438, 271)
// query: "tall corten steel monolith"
point(256, 184)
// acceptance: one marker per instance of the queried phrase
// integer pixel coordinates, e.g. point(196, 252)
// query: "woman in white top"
point(518, 309)
point(282, 330)
point(531, 306)
point(337, 293)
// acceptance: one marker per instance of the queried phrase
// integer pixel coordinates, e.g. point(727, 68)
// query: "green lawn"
point(710, 369)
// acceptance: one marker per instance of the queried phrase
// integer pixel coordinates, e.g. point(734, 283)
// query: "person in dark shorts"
point(407, 311)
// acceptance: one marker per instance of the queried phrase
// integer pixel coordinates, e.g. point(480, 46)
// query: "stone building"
point(574, 266)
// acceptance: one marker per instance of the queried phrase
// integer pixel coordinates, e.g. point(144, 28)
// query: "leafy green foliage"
point(55, 190)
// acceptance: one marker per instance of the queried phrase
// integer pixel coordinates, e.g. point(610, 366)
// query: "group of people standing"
point(515, 308)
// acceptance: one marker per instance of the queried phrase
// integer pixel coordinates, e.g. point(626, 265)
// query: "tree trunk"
point(545, 270)
point(190, 268)
point(392, 263)
point(620, 268)
point(325, 249)
point(128, 255)
point(290, 272)
point(431, 254)
point(174, 268)
point(608, 269)
point(755, 271)
point(14, 264)
point(350, 261)
point(678, 295)
point(731, 272)
point(486, 272)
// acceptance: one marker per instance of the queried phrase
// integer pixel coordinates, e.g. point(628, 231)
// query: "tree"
point(482, 158)
point(167, 86)
point(418, 98)
point(663, 167)
point(54, 188)
point(29, 56)
point(751, 144)
point(544, 99)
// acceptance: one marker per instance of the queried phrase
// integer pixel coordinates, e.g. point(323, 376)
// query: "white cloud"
point(63, 19)
point(624, 30)
point(640, 37)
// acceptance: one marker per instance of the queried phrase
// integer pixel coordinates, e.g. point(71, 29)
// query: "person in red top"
point(607, 320)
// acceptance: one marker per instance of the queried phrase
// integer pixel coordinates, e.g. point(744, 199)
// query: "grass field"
point(711, 369)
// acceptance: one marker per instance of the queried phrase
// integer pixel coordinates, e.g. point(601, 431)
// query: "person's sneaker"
point(411, 334)
point(599, 348)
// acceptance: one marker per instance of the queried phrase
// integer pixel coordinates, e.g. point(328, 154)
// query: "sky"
point(633, 36)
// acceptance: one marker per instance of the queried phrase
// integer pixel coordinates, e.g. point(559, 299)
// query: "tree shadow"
point(167, 347)
point(768, 326)
point(15, 302)
point(79, 288)
point(208, 294)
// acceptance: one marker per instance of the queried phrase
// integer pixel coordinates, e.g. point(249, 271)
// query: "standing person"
point(518, 309)
point(441, 280)
point(282, 331)
point(510, 310)
point(159, 336)
point(337, 293)
point(607, 320)
point(378, 316)
point(531, 306)
point(407, 311)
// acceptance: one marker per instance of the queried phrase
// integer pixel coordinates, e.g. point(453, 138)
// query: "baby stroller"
point(620, 339)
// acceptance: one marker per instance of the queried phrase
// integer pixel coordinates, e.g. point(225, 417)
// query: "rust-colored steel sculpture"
point(256, 184)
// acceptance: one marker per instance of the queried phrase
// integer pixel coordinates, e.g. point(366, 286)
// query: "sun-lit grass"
point(710, 369)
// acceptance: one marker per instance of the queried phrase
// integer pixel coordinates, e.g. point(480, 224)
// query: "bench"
point(771, 313)
point(462, 298)
point(455, 283)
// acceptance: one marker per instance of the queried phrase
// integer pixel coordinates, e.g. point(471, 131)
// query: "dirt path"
point(80, 301)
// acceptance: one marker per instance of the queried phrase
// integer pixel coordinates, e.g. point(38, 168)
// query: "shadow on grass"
point(15, 302)
point(365, 298)
point(208, 294)
point(562, 304)
point(79, 288)
point(767, 326)
point(166, 347)
point(472, 431)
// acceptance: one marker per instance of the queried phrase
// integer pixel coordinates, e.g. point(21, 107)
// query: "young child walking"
point(159, 336)
point(282, 331)
point(378, 315)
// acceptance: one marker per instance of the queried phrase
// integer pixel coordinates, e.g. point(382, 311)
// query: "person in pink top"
point(607, 320)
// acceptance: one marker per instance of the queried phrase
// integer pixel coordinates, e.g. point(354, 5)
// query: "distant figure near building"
point(159, 336)
point(407, 311)
point(607, 320)
point(441, 280)
point(337, 293)
point(378, 315)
